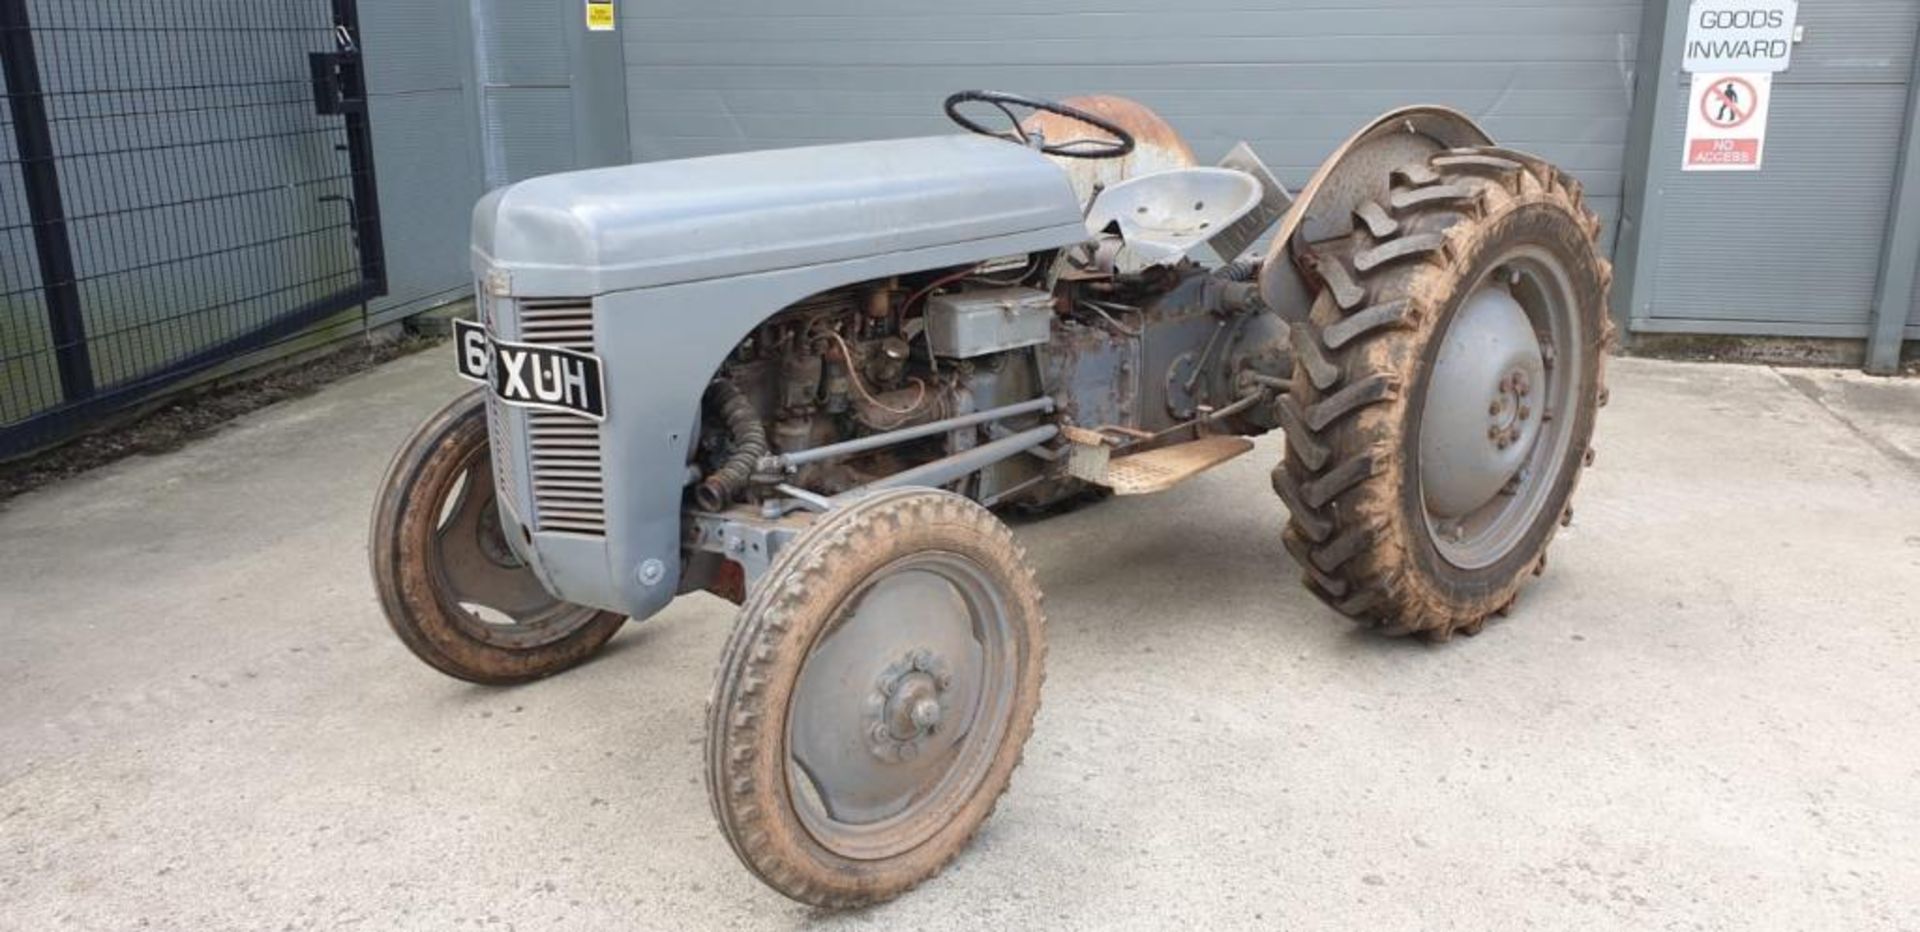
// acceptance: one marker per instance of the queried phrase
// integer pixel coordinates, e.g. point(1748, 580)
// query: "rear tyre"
point(452, 588)
point(875, 697)
point(1444, 392)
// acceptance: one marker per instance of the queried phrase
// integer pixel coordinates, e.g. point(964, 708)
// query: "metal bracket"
point(746, 539)
point(336, 82)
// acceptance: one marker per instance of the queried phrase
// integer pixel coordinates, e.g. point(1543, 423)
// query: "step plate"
point(1162, 469)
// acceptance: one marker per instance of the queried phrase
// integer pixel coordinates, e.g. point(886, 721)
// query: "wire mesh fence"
point(171, 195)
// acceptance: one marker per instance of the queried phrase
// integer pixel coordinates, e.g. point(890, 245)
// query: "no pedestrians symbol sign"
point(1729, 103)
point(1727, 124)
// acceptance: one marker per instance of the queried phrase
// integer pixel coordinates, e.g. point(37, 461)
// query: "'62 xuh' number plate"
point(531, 376)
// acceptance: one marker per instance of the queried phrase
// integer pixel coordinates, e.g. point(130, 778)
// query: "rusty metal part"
point(1162, 469)
point(746, 443)
point(1157, 146)
point(902, 407)
point(452, 587)
point(1358, 171)
point(1088, 453)
point(729, 581)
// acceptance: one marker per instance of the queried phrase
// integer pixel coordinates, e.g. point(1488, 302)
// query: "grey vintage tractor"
point(803, 379)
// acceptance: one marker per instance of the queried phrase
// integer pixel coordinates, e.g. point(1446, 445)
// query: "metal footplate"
point(1162, 469)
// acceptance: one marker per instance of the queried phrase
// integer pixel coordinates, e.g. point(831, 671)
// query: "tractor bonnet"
point(637, 226)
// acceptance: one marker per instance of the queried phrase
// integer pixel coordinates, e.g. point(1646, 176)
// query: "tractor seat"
point(1165, 215)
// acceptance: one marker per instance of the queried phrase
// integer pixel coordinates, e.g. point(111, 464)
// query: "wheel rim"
point(900, 706)
point(487, 590)
point(1498, 417)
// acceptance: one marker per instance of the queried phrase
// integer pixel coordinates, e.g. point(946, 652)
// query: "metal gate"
point(180, 184)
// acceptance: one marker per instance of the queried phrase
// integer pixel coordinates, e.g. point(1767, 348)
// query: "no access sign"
point(1727, 122)
point(1740, 35)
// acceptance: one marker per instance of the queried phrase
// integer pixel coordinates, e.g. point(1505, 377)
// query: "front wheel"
point(453, 590)
point(1445, 390)
point(875, 697)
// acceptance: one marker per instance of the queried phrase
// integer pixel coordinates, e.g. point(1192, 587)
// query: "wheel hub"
point(492, 594)
point(493, 541)
point(906, 706)
point(887, 707)
point(1483, 411)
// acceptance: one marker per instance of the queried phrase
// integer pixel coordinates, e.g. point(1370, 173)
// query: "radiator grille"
point(502, 462)
point(496, 416)
point(569, 490)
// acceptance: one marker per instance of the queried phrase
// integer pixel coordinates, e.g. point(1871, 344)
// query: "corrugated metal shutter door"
point(1793, 249)
point(1913, 320)
point(1293, 76)
point(526, 88)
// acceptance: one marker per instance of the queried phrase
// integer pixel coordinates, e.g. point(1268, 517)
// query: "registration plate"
point(531, 376)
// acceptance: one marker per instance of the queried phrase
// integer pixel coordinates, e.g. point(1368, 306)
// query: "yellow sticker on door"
point(599, 15)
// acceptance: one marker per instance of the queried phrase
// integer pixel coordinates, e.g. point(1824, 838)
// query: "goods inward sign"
point(1735, 36)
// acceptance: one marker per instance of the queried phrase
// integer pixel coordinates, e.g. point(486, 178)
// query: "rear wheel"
point(875, 697)
point(453, 590)
point(1444, 392)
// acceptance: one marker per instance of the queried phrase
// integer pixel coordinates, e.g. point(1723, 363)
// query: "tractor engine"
point(1136, 355)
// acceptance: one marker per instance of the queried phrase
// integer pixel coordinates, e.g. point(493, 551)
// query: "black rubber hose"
point(746, 444)
point(1241, 270)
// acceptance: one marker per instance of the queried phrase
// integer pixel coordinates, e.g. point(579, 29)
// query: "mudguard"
point(1360, 170)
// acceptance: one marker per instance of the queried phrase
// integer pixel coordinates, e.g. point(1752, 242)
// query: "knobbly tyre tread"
point(1383, 292)
point(413, 608)
point(768, 644)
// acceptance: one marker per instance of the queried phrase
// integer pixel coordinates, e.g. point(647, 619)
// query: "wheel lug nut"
point(1494, 409)
point(1525, 412)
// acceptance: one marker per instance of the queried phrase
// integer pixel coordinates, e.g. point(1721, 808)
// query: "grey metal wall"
point(1793, 249)
point(1913, 319)
point(468, 95)
point(426, 145)
point(550, 93)
point(1292, 76)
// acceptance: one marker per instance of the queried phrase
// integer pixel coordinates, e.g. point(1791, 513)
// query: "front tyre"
point(1445, 390)
point(453, 590)
point(874, 699)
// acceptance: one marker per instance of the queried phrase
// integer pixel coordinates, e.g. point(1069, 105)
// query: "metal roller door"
point(1793, 249)
point(1294, 76)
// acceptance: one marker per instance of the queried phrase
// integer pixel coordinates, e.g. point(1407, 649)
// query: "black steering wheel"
point(1119, 145)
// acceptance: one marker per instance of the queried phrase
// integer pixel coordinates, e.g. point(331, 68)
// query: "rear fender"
point(1359, 171)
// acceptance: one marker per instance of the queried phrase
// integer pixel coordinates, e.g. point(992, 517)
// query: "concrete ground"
point(1703, 717)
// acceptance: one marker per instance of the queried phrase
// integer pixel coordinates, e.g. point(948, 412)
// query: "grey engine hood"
point(635, 226)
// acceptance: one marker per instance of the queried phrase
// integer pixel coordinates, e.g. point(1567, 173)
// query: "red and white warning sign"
point(1727, 122)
